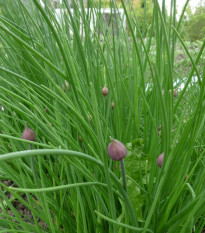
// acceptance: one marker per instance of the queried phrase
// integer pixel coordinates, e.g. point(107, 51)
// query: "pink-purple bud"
point(28, 134)
point(117, 150)
point(105, 91)
point(160, 159)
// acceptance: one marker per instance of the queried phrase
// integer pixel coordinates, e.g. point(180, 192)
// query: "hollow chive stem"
point(28, 134)
point(33, 167)
point(30, 146)
point(124, 180)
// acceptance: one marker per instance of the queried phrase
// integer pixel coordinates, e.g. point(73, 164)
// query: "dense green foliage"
point(195, 23)
point(65, 179)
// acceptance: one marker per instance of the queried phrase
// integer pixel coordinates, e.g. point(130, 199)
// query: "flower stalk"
point(124, 179)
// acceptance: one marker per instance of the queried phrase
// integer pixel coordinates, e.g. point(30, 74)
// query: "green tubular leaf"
point(122, 224)
point(60, 187)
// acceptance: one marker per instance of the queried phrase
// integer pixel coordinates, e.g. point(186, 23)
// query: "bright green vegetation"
point(194, 23)
point(73, 185)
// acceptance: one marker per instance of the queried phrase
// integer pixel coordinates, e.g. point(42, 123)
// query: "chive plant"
point(76, 187)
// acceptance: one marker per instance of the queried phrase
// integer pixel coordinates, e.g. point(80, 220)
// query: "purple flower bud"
point(105, 91)
point(116, 150)
point(28, 134)
point(160, 159)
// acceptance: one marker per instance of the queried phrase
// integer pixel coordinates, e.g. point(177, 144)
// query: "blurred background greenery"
point(193, 28)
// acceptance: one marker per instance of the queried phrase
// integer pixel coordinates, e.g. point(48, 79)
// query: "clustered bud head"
point(112, 105)
point(175, 93)
point(160, 159)
point(105, 91)
point(117, 150)
point(67, 85)
point(28, 134)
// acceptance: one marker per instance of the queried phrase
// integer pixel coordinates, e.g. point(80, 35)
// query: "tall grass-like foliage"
point(66, 181)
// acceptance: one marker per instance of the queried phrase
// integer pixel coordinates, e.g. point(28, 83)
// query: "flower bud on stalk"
point(67, 85)
point(112, 105)
point(175, 93)
point(28, 134)
point(80, 139)
point(105, 91)
point(160, 159)
point(116, 150)
point(89, 117)
point(186, 177)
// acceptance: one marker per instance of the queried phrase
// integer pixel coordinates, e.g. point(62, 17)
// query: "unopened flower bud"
point(175, 93)
point(28, 134)
point(112, 105)
point(80, 139)
point(89, 117)
point(186, 177)
point(117, 150)
point(67, 85)
point(160, 159)
point(105, 91)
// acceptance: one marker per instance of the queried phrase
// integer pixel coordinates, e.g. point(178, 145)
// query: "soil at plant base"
point(22, 209)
